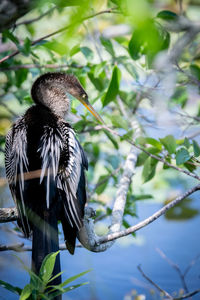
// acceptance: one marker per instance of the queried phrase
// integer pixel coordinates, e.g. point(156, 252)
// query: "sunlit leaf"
point(169, 143)
point(48, 266)
point(119, 121)
point(57, 47)
point(26, 292)
point(70, 279)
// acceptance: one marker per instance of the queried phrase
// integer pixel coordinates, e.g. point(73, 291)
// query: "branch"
point(31, 66)
point(26, 22)
point(20, 247)
point(166, 294)
point(87, 235)
point(175, 267)
point(8, 214)
point(152, 218)
point(111, 10)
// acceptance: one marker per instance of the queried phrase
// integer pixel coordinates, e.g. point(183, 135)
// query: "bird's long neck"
point(56, 100)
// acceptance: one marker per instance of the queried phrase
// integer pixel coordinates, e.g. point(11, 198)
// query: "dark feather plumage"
point(45, 167)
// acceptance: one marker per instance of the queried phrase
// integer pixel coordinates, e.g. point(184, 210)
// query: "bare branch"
point(26, 22)
point(8, 214)
point(152, 218)
point(175, 267)
point(166, 294)
point(37, 66)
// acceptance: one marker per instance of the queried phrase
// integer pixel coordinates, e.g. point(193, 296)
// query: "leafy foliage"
point(119, 60)
point(40, 285)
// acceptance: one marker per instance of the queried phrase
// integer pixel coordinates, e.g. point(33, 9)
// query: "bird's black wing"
point(16, 163)
point(71, 185)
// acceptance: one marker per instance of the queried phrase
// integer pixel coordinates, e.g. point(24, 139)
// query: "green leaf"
point(119, 122)
point(69, 280)
point(127, 136)
point(97, 82)
point(26, 47)
point(135, 44)
point(182, 156)
point(101, 186)
point(113, 88)
point(98, 69)
point(107, 45)
point(26, 292)
point(169, 143)
point(143, 197)
point(153, 142)
point(48, 266)
point(10, 36)
point(186, 143)
point(195, 70)
point(112, 139)
point(74, 50)
point(20, 76)
point(142, 157)
point(149, 169)
point(167, 15)
point(87, 52)
point(64, 3)
point(57, 47)
point(190, 165)
point(61, 291)
point(11, 288)
point(196, 148)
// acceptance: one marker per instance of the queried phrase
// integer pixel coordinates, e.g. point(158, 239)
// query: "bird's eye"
point(84, 96)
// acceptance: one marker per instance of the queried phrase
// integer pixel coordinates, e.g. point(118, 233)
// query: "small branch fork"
point(181, 275)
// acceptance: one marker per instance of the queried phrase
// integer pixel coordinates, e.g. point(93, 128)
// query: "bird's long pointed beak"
point(91, 109)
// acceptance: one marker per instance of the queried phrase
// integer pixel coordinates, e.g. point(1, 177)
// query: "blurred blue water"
point(114, 273)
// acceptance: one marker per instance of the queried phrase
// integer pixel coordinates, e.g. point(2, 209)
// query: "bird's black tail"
point(45, 241)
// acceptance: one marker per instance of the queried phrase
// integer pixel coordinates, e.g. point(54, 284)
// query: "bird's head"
point(52, 90)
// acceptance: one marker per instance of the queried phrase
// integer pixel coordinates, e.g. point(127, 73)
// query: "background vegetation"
point(139, 62)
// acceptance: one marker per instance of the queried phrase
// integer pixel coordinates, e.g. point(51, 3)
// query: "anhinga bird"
point(45, 167)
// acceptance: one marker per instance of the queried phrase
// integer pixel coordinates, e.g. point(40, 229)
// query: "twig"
point(49, 66)
point(113, 173)
point(111, 10)
point(192, 263)
point(26, 22)
point(166, 294)
point(175, 267)
point(20, 247)
point(188, 295)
